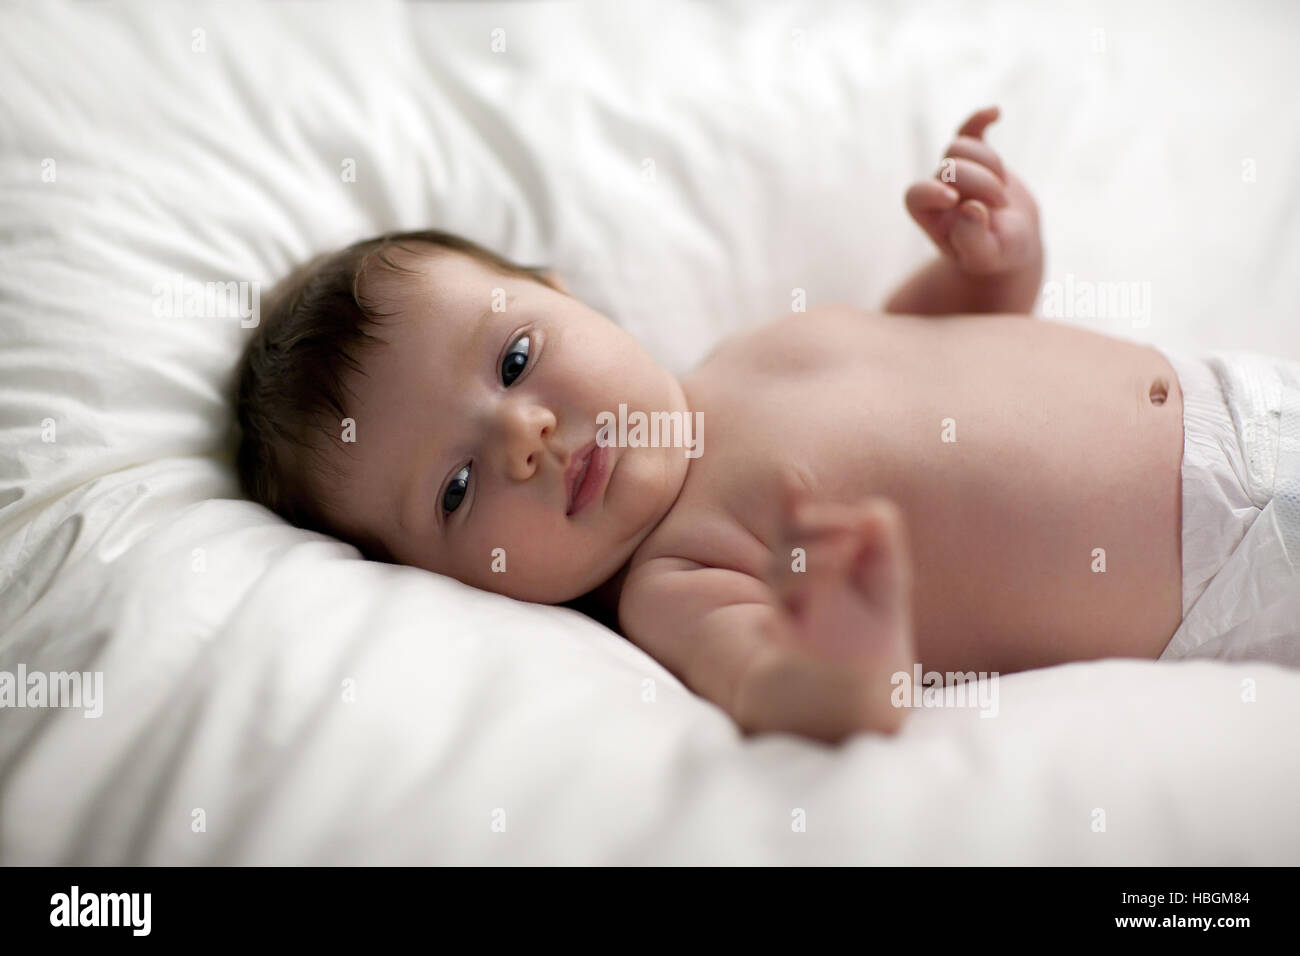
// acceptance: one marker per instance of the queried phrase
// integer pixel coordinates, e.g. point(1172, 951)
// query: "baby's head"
point(423, 398)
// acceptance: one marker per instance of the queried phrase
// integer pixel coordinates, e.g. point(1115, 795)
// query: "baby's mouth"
point(576, 472)
point(585, 476)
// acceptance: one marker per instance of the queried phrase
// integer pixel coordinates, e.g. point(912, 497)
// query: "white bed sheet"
point(309, 707)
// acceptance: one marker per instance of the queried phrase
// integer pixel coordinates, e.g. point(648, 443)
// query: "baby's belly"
point(1037, 465)
point(1041, 481)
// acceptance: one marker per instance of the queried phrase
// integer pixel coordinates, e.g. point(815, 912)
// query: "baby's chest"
point(831, 434)
point(810, 393)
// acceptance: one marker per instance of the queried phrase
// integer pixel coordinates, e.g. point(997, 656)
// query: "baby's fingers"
point(930, 196)
point(967, 147)
point(927, 201)
point(972, 239)
point(979, 121)
point(973, 181)
point(883, 566)
point(809, 566)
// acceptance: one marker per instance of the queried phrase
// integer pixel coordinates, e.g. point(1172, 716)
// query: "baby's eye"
point(512, 366)
point(455, 493)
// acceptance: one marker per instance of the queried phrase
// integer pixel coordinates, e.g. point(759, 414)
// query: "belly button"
point(1159, 391)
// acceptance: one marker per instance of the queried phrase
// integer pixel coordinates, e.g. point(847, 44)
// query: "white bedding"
point(308, 707)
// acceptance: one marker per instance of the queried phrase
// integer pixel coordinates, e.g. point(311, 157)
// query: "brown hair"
point(289, 385)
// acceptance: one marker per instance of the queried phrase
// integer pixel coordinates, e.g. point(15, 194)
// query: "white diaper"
point(1241, 508)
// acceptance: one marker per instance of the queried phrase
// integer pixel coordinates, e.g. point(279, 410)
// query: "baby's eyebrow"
point(404, 494)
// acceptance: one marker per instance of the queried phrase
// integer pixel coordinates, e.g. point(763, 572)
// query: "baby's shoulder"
point(669, 593)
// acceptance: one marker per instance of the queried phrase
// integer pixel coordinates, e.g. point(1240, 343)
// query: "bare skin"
point(941, 485)
point(1059, 450)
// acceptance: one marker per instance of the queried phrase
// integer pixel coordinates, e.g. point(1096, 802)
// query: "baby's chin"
point(566, 574)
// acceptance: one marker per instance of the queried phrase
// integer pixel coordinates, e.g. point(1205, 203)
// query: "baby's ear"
point(555, 282)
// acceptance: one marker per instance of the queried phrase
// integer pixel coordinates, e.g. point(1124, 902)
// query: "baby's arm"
point(810, 652)
point(985, 223)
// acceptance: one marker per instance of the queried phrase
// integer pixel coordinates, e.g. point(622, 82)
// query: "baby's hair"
point(289, 385)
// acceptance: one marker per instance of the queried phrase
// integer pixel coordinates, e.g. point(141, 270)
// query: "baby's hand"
point(976, 211)
point(848, 593)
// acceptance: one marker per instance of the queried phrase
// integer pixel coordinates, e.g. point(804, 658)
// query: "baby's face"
point(468, 420)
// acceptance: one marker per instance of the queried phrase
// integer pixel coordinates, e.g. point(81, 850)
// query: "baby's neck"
point(601, 603)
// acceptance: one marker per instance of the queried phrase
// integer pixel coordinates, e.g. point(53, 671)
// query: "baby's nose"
point(528, 431)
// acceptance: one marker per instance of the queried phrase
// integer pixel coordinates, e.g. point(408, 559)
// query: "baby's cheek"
point(515, 545)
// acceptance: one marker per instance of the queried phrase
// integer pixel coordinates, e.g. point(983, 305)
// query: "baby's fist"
point(974, 209)
point(847, 585)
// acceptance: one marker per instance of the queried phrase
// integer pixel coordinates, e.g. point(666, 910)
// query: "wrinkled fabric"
point(1241, 508)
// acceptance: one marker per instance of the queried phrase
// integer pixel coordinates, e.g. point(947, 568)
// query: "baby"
point(839, 497)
